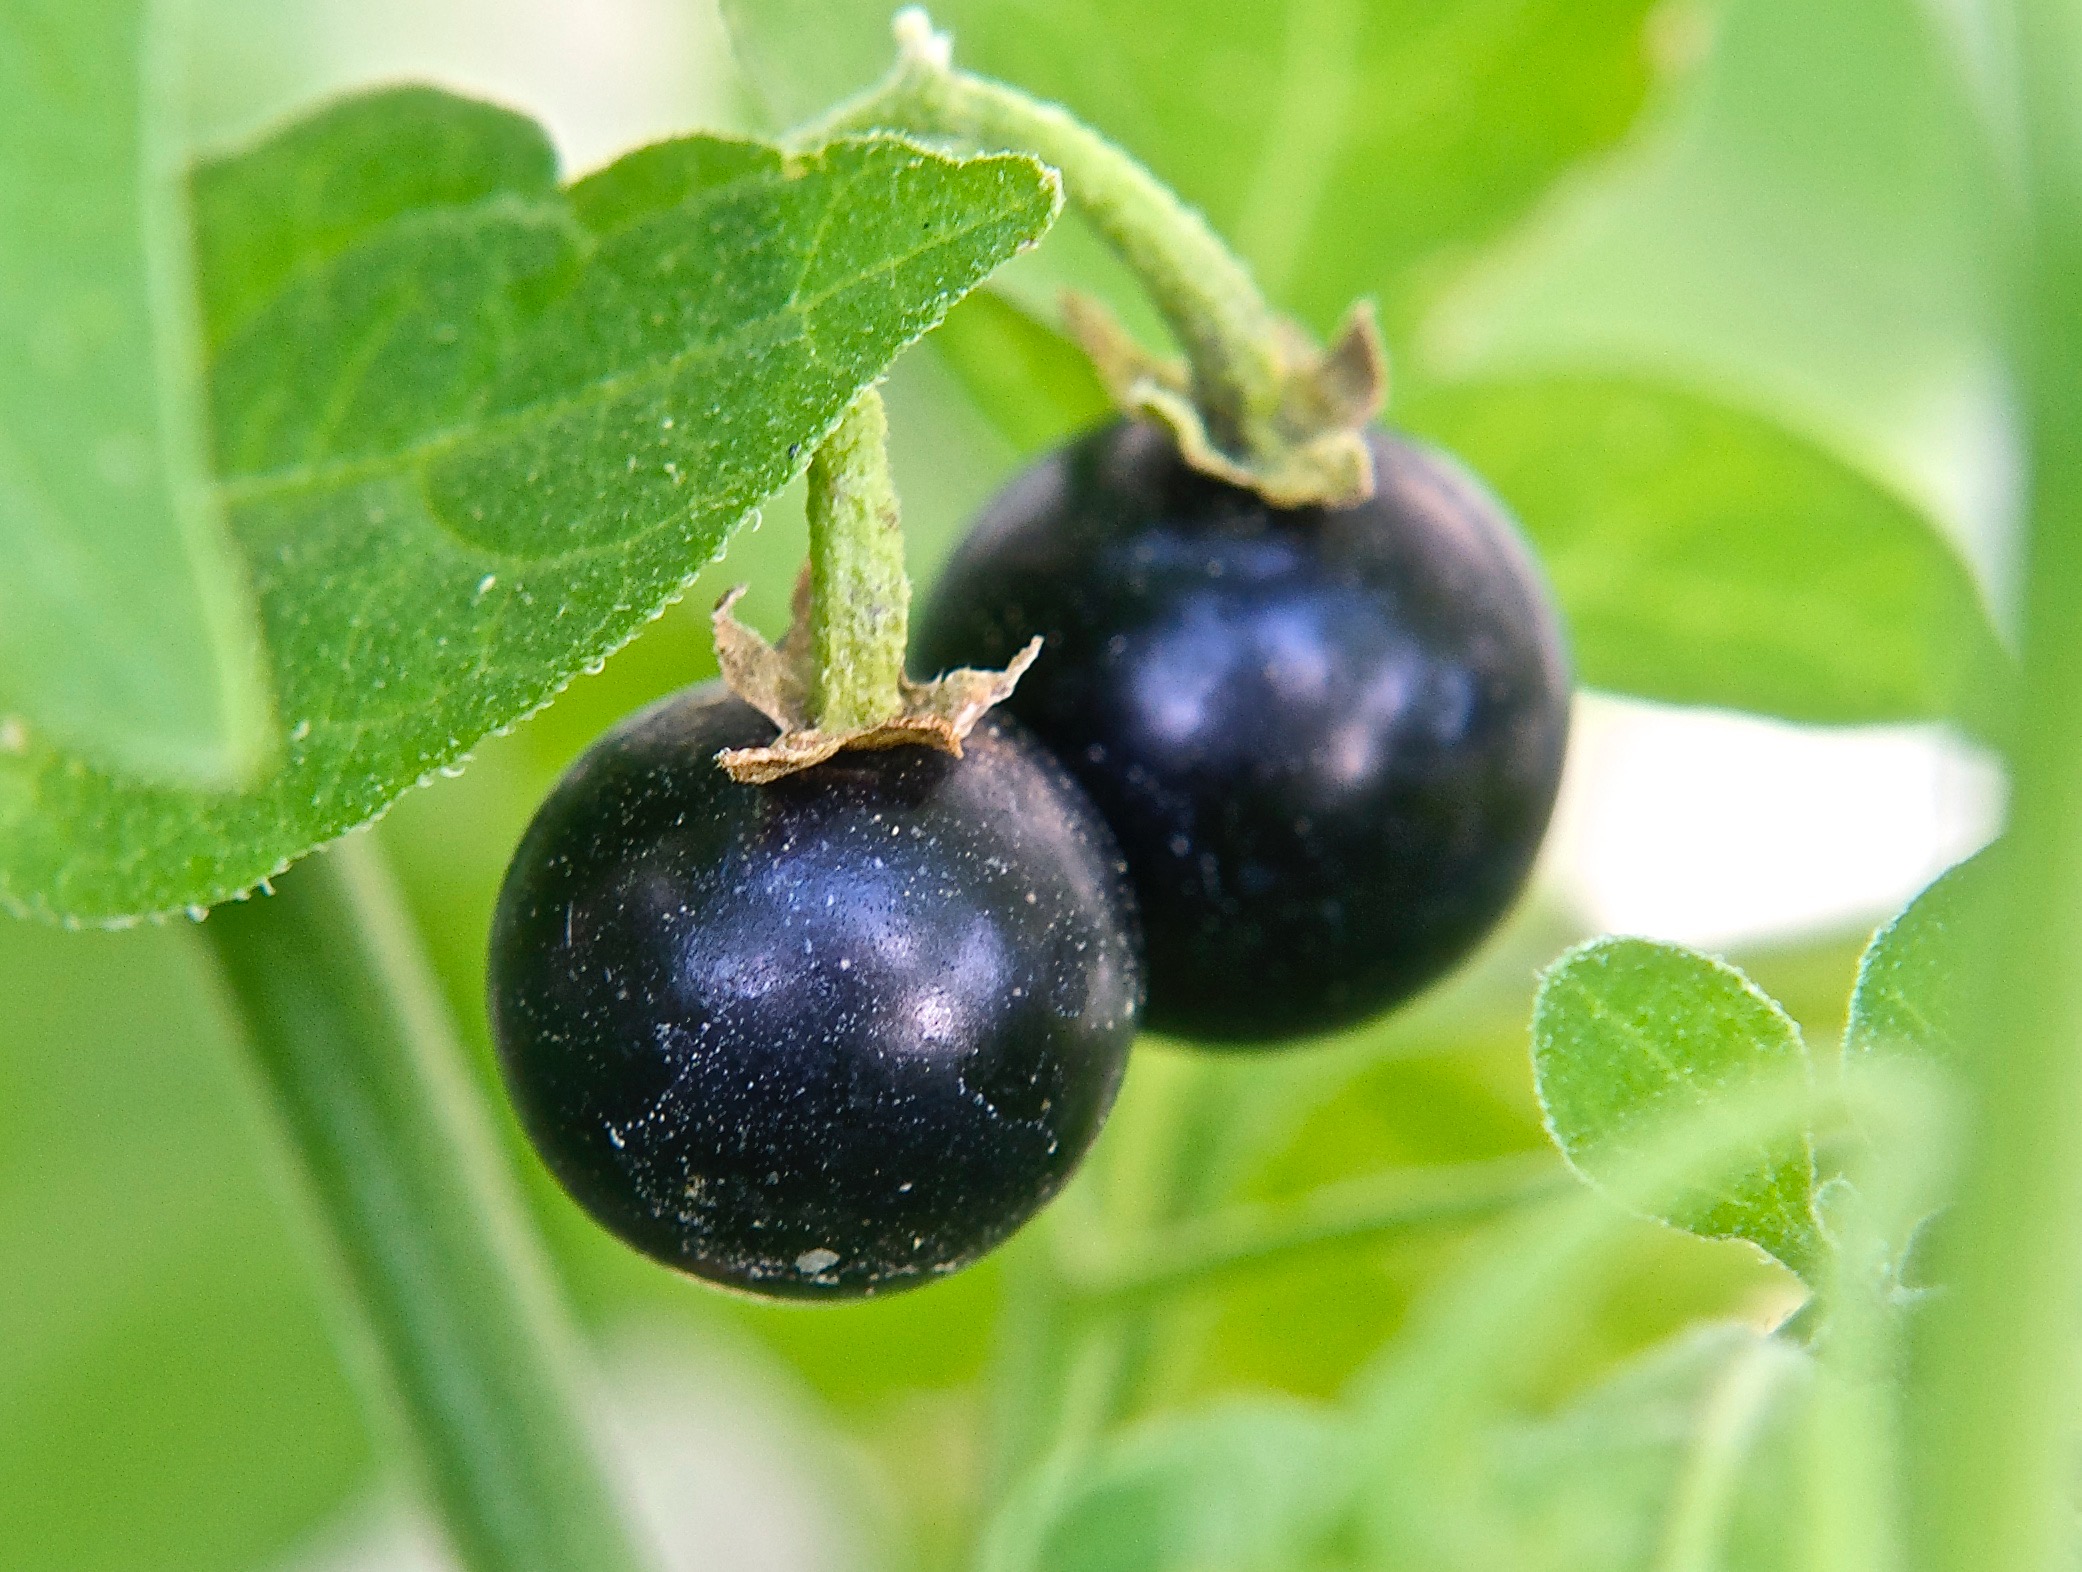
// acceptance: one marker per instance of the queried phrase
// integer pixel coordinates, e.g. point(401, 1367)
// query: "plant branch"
point(1266, 408)
point(1995, 1395)
point(361, 1065)
point(1070, 1366)
point(1209, 1250)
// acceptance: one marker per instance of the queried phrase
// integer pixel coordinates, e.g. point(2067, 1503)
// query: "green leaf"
point(1348, 149)
point(126, 626)
point(1630, 1037)
point(469, 453)
point(1705, 555)
point(1246, 1487)
point(664, 175)
point(1915, 979)
point(309, 192)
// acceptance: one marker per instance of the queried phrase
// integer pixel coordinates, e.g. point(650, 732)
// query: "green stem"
point(1231, 337)
point(1165, 1174)
point(1055, 1371)
point(363, 1069)
point(1067, 1368)
point(860, 597)
point(1997, 1390)
point(1206, 1251)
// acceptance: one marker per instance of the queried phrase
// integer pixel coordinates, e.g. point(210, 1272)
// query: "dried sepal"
point(1310, 450)
point(776, 680)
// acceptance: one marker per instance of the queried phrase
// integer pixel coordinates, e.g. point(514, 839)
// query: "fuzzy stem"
point(1996, 1394)
point(1070, 1367)
point(456, 1320)
point(860, 597)
point(1230, 335)
point(1207, 1251)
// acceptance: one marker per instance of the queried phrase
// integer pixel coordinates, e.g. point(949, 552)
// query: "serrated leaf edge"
point(935, 313)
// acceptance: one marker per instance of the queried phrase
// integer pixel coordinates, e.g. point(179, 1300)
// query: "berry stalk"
point(837, 680)
point(860, 597)
point(1257, 402)
point(1207, 296)
point(356, 1054)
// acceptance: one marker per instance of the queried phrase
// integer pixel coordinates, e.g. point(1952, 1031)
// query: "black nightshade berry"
point(820, 1038)
point(1328, 740)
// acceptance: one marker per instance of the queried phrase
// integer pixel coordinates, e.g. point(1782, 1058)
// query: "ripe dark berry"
point(1328, 740)
point(820, 1038)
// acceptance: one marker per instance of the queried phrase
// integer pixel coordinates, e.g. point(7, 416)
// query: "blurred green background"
point(1793, 225)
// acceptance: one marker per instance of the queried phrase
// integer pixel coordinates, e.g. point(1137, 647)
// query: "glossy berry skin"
point(822, 1038)
point(1328, 740)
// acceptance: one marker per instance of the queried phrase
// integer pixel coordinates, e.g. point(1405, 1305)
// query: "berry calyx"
point(1328, 739)
point(837, 682)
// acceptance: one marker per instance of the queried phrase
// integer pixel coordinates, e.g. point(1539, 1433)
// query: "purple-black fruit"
point(821, 1038)
point(1328, 740)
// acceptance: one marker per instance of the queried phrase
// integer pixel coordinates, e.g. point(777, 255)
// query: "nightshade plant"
point(332, 456)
